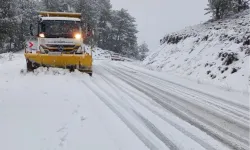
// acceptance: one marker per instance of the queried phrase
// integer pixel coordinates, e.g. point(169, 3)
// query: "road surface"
point(121, 107)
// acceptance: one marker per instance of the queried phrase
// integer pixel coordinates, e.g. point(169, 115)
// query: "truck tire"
point(29, 65)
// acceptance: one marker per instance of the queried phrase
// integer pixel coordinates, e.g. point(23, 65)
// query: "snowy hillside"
point(213, 52)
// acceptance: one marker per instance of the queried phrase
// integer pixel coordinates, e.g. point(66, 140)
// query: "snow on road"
point(121, 107)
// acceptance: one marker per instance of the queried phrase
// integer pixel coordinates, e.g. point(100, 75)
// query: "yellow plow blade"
point(81, 62)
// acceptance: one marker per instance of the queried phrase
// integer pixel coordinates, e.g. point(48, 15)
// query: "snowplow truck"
point(56, 40)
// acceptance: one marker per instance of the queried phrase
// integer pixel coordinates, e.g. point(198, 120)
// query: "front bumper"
point(82, 62)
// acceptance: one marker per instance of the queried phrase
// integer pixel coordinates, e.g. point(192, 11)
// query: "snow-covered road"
point(121, 107)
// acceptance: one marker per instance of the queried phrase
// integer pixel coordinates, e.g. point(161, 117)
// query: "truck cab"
point(57, 40)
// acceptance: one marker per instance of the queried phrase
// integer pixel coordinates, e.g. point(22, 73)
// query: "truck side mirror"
point(31, 30)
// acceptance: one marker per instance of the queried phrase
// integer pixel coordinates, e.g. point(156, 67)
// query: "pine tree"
point(8, 24)
point(218, 8)
point(54, 5)
point(239, 5)
point(222, 8)
point(143, 49)
point(104, 25)
point(124, 32)
point(27, 13)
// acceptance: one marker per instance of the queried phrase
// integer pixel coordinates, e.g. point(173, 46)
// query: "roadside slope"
point(213, 52)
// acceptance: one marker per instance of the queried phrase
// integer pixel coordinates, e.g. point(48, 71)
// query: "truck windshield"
point(59, 28)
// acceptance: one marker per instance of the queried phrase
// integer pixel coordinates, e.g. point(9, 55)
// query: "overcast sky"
point(156, 18)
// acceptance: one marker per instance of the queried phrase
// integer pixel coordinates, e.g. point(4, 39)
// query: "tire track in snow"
point(208, 122)
point(146, 122)
point(216, 105)
point(231, 139)
point(238, 119)
point(231, 119)
point(135, 130)
point(157, 132)
point(231, 116)
point(233, 104)
point(187, 133)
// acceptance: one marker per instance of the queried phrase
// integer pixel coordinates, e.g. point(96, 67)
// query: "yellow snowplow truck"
point(57, 41)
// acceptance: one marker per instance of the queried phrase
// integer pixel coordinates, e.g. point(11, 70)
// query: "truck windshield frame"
point(60, 28)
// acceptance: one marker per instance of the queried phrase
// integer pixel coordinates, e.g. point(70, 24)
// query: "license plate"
point(55, 53)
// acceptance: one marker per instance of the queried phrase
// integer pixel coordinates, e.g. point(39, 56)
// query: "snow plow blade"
point(82, 62)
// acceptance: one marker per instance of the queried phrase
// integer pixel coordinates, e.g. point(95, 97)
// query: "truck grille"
point(60, 48)
point(56, 46)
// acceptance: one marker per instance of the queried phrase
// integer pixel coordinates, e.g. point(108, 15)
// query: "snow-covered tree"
point(222, 8)
point(123, 37)
point(239, 5)
point(8, 22)
point(104, 24)
point(218, 8)
point(143, 50)
point(27, 14)
point(54, 5)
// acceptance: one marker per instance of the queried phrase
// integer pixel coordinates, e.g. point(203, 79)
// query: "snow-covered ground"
point(214, 53)
point(123, 106)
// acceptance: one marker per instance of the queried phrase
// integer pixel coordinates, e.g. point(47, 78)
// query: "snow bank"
point(6, 56)
point(214, 52)
point(100, 54)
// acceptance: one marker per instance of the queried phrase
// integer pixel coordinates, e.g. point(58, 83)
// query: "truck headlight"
point(42, 35)
point(78, 36)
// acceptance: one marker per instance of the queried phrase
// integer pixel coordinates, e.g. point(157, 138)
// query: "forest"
point(114, 30)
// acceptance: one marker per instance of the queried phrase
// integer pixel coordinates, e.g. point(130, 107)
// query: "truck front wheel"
point(29, 65)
